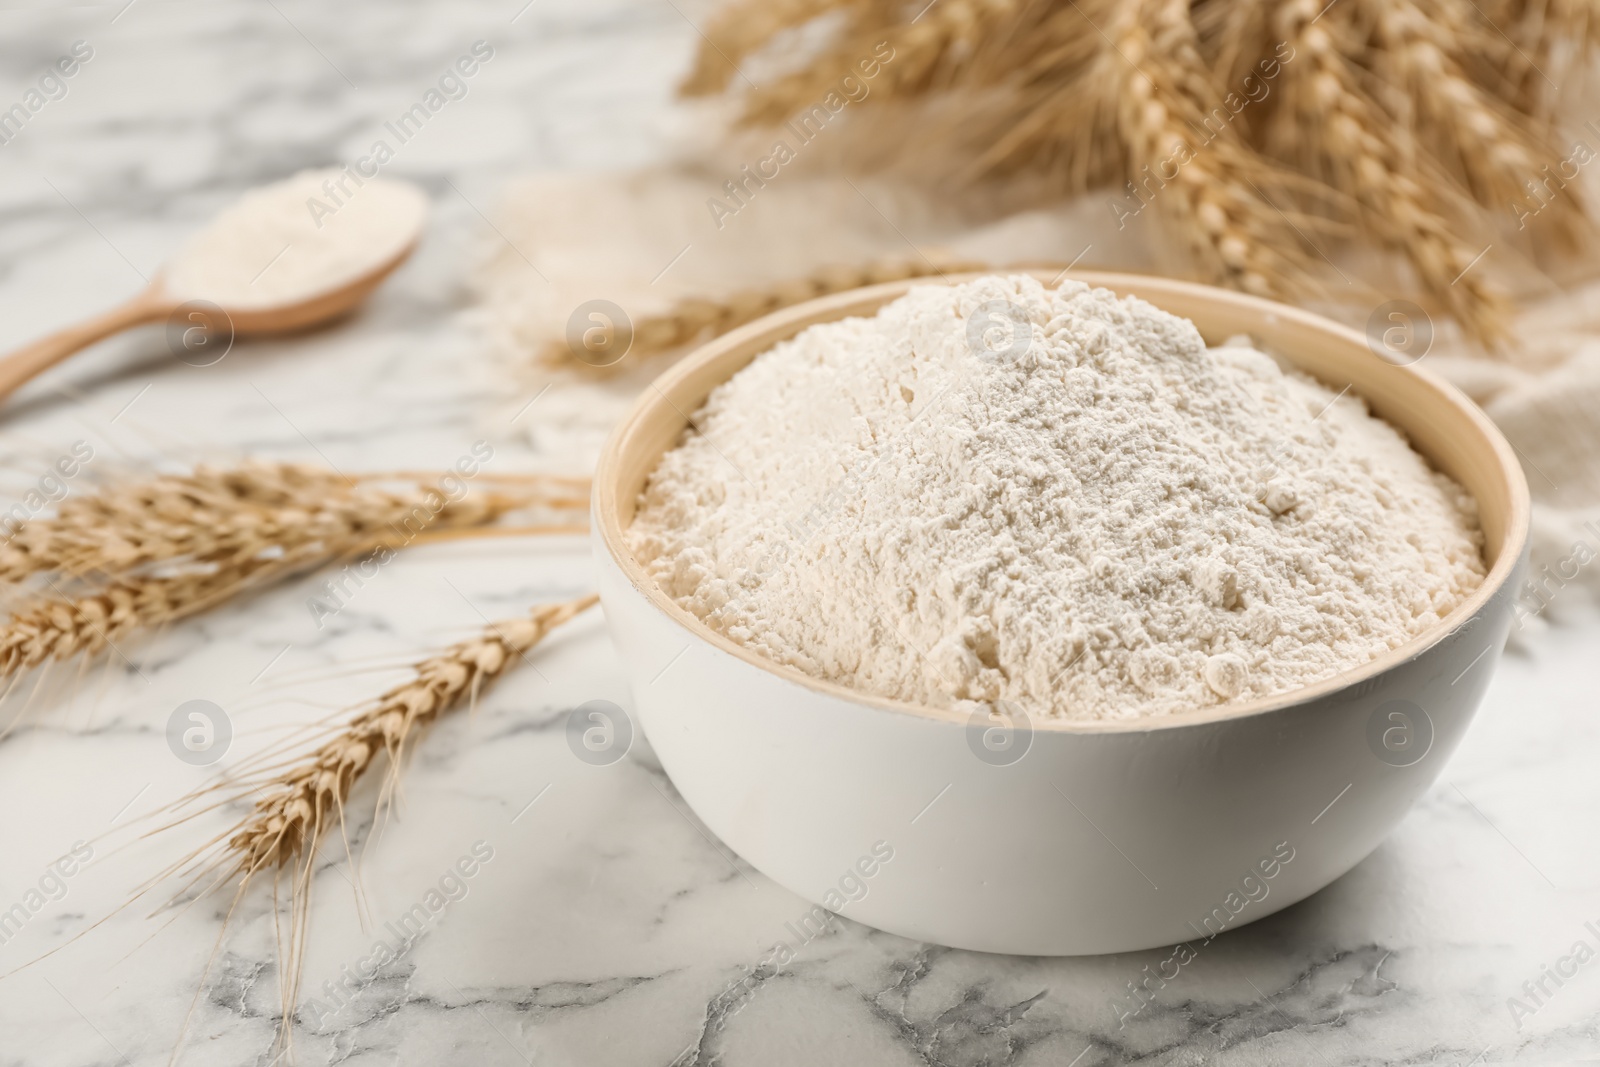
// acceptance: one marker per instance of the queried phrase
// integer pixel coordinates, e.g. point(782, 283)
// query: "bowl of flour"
point(1119, 610)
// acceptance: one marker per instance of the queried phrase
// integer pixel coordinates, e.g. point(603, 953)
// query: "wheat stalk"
point(1411, 124)
point(1157, 72)
point(57, 627)
point(700, 318)
point(308, 800)
point(302, 800)
point(1234, 35)
point(1337, 129)
point(1537, 48)
point(1053, 135)
point(1495, 155)
point(135, 557)
point(1037, 104)
point(1027, 99)
point(228, 515)
point(926, 52)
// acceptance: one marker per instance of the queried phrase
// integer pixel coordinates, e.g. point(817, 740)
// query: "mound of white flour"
point(1057, 498)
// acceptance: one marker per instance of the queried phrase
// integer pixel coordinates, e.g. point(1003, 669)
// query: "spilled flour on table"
point(1053, 497)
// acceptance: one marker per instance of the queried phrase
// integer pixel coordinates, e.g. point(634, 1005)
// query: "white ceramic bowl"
point(1101, 837)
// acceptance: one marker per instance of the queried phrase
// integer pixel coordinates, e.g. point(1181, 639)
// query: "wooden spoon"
point(206, 329)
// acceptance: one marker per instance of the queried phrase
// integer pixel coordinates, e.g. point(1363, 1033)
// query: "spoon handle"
point(30, 360)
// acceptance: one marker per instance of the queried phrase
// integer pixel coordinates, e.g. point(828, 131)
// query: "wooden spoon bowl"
point(160, 302)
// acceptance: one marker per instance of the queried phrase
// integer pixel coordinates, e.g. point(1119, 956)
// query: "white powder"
point(295, 239)
point(1114, 522)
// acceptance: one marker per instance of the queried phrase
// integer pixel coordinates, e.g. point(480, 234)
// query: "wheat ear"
point(1050, 130)
point(1536, 47)
point(58, 627)
point(136, 557)
point(700, 318)
point(1495, 154)
point(232, 515)
point(909, 57)
point(1349, 138)
point(1162, 101)
point(1235, 35)
point(305, 799)
point(1034, 98)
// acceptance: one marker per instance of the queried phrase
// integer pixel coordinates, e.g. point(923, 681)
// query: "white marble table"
point(607, 924)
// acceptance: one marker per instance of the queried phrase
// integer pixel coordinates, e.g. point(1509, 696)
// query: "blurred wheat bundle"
point(1259, 131)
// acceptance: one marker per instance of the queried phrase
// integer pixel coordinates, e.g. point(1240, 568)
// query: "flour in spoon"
point(1053, 497)
point(298, 238)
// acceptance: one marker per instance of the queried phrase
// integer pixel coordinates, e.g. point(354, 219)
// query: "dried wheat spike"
point(1032, 98)
point(701, 318)
point(46, 628)
point(910, 57)
point(165, 516)
point(1053, 131)
point(1336, 129)
point(1157, 70)
point(1496, 156)
point(1234, 36)
point(1008, 85)
point(1040, 43)
point(307, 800)
point(213, 534)
point(302, 801)
point(1536, 50)
point(229, 516)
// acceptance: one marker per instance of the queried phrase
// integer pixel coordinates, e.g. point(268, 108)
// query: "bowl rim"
point(609, 531)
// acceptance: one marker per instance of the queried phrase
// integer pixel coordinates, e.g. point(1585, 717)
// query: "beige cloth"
point(644, 239)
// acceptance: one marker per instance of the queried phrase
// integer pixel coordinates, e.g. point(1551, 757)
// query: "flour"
point(1055, 498)
point(295, 239)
